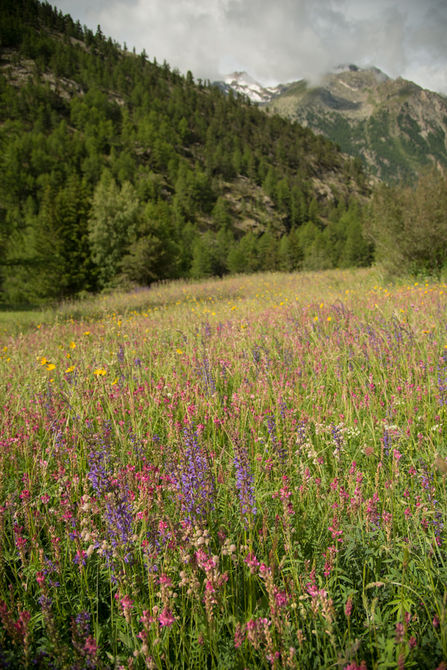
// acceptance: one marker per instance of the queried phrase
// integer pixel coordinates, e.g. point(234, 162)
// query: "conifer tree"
point(112, 226)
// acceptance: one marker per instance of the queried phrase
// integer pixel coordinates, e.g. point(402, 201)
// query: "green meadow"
point(247, 472)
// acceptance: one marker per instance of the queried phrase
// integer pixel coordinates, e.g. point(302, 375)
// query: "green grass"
point(239, 473)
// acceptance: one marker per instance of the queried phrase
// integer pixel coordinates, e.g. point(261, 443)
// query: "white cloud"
point(282, 40)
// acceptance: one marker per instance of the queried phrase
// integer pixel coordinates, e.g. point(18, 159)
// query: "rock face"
point(396, 127)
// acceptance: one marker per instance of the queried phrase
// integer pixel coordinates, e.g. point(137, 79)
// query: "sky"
point(277, 41)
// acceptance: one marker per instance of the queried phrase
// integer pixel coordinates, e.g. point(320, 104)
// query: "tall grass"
point(240, 473)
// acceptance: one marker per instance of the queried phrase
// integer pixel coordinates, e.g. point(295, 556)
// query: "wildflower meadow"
point(239, 473)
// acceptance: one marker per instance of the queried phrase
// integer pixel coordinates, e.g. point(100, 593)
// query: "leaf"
point(126, 639)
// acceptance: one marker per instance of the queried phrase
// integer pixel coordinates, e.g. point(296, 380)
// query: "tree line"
point(116, 169)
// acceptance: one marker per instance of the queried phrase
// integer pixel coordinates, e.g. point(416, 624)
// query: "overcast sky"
point(279, 40)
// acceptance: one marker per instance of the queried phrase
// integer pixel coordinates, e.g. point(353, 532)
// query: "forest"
point(116, 170)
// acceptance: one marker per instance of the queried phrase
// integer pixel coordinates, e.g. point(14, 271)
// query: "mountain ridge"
point(396, 127)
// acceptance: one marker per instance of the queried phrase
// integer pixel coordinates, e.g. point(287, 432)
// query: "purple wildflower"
point(204, 370)
point(442, 378)
point(117, 500)
point(337, 437)
point(195, 481)
point(244, 482)
point(386, 441)
point(276, 443)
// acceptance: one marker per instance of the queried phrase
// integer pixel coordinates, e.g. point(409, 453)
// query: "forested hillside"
point(116, 169)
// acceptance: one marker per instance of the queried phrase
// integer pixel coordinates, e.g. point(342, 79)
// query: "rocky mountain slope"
point(396, 127)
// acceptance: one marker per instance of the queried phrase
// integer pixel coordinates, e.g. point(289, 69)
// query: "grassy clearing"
point(241, 473)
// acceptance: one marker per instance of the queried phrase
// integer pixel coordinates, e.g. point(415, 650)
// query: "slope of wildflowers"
point(245, 473)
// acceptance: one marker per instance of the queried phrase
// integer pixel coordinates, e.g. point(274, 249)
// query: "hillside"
point(397, 128)
point(115, 168)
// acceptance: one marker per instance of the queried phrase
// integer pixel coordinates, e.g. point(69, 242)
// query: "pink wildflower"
point(281, 598)
point(239, 636)
point(252, 562)
point(165, 580)
point(399, 632)
point(166, 618)
point(90, 646)
point(348, 607)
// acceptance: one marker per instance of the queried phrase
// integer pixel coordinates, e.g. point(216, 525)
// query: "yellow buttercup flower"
point(99, 372)
point(50, 366)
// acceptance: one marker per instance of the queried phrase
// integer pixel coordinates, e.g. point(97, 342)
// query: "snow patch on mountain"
point(243, 83)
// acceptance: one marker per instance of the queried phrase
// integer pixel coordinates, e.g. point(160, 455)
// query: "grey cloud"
point(281, 40)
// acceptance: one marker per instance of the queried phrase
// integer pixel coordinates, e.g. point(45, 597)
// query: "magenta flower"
point(348, 607)
point(126, 603)
point(252, 562)
point(281, 598)
point(166, 618)
point(90, 646)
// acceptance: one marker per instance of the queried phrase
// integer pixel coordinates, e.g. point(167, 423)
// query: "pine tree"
point(112, 226)
point(243, 256)
point(267, 251)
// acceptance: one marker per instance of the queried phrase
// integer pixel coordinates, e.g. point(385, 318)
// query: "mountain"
point(115, 169)
point(243, 84)
point(395, 127)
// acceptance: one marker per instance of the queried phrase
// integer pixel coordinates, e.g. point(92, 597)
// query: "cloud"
point(282, 40)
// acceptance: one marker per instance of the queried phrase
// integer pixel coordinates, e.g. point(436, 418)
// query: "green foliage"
point(115, 168)
point(243, 256)
point(408, 226)
point(49, 255)
point(153, 254)
point(267, 251)
point(112, 225)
